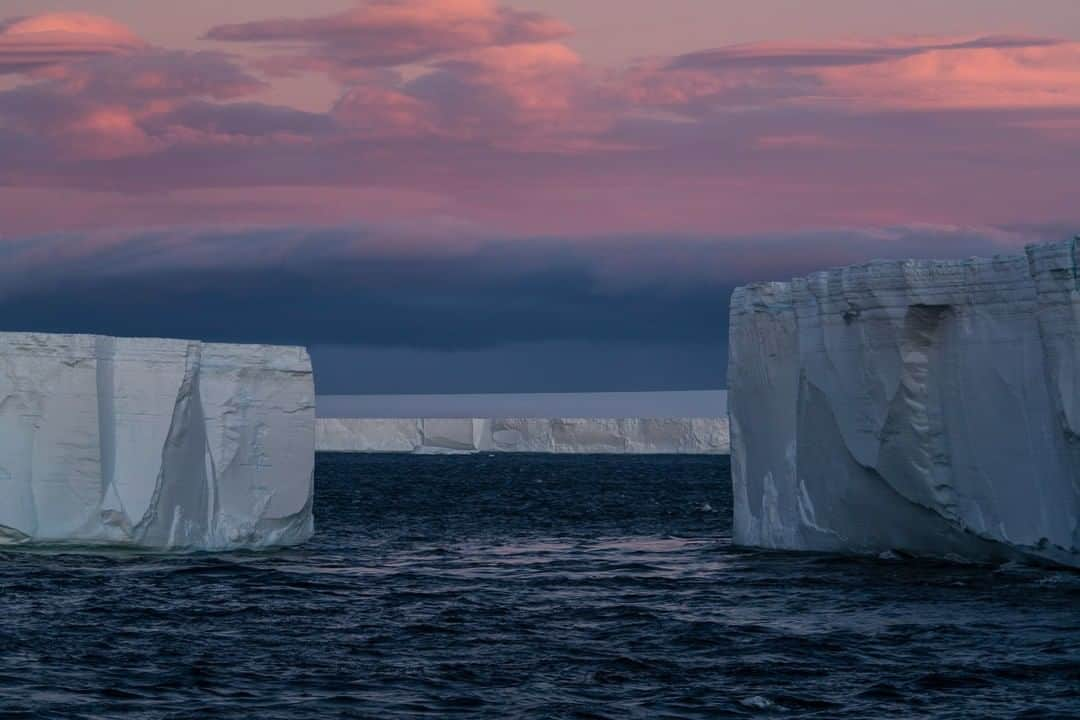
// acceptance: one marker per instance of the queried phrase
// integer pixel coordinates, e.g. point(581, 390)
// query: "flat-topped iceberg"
point(161, 444)
point(524, 435)
point(931, 407)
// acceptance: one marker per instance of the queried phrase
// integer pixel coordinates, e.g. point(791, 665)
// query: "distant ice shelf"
point(931, 407)
point(161, 444)
point(539, 435)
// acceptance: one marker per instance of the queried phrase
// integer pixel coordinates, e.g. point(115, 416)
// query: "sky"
point(670, 404)
point(465, 196)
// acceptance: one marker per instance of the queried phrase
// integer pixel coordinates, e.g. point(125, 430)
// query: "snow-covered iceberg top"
point(523, 435)
point(162, 444)
point(923, 406)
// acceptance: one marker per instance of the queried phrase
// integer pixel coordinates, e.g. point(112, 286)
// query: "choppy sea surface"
point(531, 587)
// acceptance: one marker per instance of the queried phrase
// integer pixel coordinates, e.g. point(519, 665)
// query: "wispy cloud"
point(845, 54)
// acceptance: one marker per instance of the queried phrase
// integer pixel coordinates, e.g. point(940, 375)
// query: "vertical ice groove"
point(168, 499)
point(106, 412)
point(112, 511)
point(913, 439)
point(214, 519)
point(974, 422)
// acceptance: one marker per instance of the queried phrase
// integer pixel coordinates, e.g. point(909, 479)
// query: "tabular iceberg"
point(163, 444)
point(538, 435)
point(931, 407)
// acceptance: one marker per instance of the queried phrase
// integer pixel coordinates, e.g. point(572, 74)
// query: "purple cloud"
point(387, 33)
point(104, 107)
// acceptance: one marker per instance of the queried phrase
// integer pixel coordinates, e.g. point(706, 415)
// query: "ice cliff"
point(931, 407)
point(163, 444)
point(540, 435)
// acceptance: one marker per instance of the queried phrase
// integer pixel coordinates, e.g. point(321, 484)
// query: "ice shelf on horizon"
point(931, 407)
point(161, 444)
point(538, 435)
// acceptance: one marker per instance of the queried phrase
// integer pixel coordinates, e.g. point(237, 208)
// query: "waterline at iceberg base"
point(928, 407)
point(158, 444)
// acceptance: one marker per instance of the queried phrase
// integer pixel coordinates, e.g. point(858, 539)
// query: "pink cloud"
point(487, 71)
point(523, 93)
point(501, 128)
point(377, 110)
point(33, 43)
point(385, 33)
point(899, 73)
point(534, 96)
point(844, 54)
point(988, 76)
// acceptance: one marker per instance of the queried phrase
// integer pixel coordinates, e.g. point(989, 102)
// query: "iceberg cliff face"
point(164, 444)
point(539, 435)
point(928, 407)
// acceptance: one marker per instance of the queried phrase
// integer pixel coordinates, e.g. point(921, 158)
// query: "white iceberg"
point(162, 444)
point(537, 435)
point(931, 407)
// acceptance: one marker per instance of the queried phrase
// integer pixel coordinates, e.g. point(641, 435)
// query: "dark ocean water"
point(533, 587)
